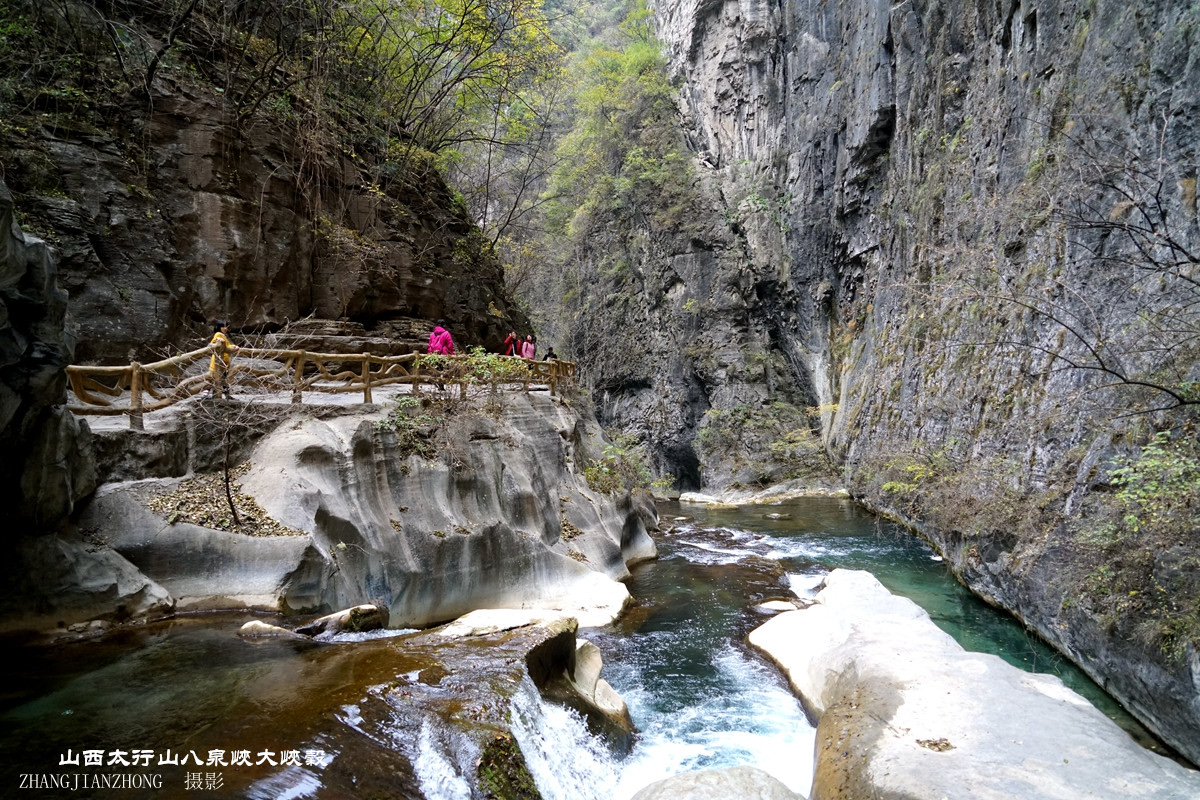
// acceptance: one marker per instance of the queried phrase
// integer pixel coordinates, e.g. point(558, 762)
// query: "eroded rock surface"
point(500, 518)
point(46, 466)
point(906, 712)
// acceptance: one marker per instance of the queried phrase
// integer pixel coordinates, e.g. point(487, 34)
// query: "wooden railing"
point(138, 389)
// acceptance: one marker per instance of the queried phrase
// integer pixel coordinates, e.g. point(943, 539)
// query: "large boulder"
point(499, 518)
point(207, 569)
point(905, 712)
point(64, 580)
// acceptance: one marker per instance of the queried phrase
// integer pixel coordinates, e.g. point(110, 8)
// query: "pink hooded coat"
point(440, 342)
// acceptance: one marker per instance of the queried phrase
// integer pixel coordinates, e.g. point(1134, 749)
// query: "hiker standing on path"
point(440, 341)
point(218, 368)
point(528, 348)
point(440, 344)
point(510, 343)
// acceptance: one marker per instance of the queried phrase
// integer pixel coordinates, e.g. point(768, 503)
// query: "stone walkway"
point(382, 396)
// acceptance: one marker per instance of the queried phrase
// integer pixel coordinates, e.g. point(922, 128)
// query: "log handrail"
point(159, 384)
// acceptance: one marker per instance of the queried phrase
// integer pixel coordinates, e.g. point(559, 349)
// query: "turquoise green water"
point(699, 696)
point(824, 533)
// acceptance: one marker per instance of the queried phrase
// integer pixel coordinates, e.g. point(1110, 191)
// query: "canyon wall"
point(967, 233)
point(35, 345)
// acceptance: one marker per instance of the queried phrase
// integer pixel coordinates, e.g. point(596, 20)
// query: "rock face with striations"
point(500, 517)
point(219, 221)
point(966, 234)
point(35, 345)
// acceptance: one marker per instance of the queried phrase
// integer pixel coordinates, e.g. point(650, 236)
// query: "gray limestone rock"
point(206, 569)
point(65, 580)
point(906, 712)
point(499, 518)
point(365, 617)
point(47, 465)
point(489, 523)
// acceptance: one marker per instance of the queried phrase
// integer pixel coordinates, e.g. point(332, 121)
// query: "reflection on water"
point(700, 698)
point(179, 689)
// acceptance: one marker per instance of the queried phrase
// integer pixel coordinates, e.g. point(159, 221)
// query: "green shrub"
point(412, 426)
point(1161, 487)
point(622, 467)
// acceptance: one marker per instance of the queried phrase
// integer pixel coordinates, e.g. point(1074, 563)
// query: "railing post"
point(416, 374)
point(553, 375)
point(298, 380)
point(366, 377)
point(135, 398)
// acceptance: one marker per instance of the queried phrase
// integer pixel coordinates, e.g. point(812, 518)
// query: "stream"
point(298, 719)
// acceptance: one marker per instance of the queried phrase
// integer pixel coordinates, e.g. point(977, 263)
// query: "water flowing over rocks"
point(718, 784)
point(905, 712)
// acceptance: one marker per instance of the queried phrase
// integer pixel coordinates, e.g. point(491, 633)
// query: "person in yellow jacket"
point(218, 369)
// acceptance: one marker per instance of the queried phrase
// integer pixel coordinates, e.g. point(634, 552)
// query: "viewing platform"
point(136, 389)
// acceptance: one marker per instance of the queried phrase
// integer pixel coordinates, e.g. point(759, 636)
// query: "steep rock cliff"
point(35, 345)
point(174, 204)
point(970, 229)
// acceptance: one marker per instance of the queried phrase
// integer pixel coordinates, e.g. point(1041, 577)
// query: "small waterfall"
point(566, 761)
point(743, 715)
point(439, 778)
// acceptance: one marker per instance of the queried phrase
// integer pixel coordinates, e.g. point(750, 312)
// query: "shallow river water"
point(698, 695)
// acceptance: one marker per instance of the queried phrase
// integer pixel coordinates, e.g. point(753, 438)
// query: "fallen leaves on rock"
point(569, 531)
point(937, 745)
point(201, 501)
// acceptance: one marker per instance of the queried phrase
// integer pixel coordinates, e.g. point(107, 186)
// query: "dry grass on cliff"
point(201, 501)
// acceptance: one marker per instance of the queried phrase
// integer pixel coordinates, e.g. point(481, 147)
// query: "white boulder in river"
point(742, 783)
point(905, 712)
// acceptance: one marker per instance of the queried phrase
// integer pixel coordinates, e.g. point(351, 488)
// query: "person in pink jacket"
point(440, 341)
point(528, 348)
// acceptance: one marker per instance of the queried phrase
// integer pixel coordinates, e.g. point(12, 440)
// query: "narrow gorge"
point(949, 252)
point(940, 257)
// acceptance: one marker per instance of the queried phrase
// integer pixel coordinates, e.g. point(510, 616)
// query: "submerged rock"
point(906, 712)
point(719, 784)
point(257, 629)
point(366, 617)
